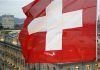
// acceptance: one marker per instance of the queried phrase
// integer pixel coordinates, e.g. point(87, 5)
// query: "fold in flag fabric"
point(59, 31)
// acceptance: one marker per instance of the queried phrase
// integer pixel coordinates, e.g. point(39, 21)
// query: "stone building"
point(8, 21)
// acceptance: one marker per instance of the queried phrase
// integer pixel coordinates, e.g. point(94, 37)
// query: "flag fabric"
point(59, 31)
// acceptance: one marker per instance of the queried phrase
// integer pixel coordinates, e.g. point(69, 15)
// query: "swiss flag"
point(59, 31)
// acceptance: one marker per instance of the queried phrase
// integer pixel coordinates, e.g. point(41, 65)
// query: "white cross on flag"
point(57, 31)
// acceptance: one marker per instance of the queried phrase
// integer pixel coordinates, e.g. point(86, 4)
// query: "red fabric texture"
point(79, 44)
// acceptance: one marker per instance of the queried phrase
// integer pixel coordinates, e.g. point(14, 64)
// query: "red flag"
point(59, 31)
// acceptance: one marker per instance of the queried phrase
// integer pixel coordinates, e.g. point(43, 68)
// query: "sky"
point(13, 7)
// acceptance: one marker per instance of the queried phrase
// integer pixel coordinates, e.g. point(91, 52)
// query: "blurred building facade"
point(8, 21)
